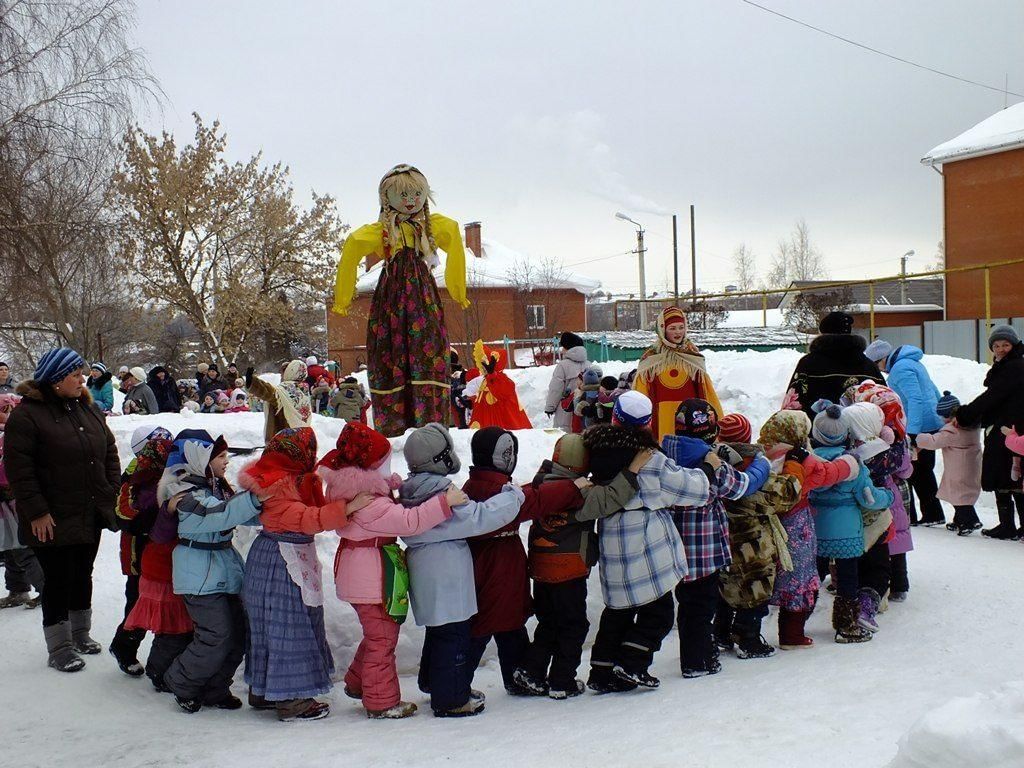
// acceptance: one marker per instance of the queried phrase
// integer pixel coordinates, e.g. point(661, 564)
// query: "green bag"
point(396, 582)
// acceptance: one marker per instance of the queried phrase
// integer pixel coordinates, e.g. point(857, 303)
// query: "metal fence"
point(967, 339)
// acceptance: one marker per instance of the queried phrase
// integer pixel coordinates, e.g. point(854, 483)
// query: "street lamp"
point(903, 273)
point(640, 251)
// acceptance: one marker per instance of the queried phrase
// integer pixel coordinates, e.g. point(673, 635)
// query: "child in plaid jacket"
point(642, 556)
point(704, 529)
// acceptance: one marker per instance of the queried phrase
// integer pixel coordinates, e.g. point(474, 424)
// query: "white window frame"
point(535, 312)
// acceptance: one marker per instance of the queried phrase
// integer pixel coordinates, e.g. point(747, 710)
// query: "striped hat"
point(947, 405)
point(632, 409)
point(734, 428)
point(56, 364)
point(99, 367)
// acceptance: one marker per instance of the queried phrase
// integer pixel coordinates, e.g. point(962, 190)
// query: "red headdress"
point(291, 453)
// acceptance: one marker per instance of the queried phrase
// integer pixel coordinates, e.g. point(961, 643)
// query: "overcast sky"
point(543, 119)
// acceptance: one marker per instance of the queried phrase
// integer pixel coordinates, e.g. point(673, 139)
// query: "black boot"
point(1006, 529)
point(724, 626)
point(125, 647)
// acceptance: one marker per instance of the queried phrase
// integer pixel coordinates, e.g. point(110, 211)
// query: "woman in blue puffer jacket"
point(908, 377)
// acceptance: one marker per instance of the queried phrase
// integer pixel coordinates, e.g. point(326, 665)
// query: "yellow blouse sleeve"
point(711, 396)
point(448, 236)
point(358, 245)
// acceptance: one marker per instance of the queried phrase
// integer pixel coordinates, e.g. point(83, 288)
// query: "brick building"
point(510, 295)
point(983, 201)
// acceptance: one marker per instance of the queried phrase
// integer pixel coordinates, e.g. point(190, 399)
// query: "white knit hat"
point(866, 422)
point(633, 408)
point(142, 435)
point(311, 360)
point(138, 373)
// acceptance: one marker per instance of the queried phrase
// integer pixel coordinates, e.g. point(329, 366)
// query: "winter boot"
point(755, 647)
point(602, 680)
point(791, 630)
point(189, 706)
point(14, 599)
point(121, 648)
point(868, 601)
point(898, 597)
point(229, 701)
point(397, 712)
point(62, 654)
point(472, 707)
point(297, 710)
point(644, 679)
point(530, 685)
point(724, 626)
point(576, 689)
point(259, 702)
point(1006, 529)
point(845, 612)
point(709, 666)
point(81, 623)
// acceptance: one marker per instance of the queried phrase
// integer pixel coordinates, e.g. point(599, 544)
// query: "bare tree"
point(536, 283)
point(744, 264)
point(810, 307)
point(797, 258)
point(939, 262)
point(222, 243)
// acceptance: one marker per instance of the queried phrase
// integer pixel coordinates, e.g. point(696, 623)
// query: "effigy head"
point(404, 189)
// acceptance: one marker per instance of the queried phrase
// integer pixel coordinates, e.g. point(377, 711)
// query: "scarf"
point(791, 428)
point(145, 469)
point(665, 355)
point(290, 454)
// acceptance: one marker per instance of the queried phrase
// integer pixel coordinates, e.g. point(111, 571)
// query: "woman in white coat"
point(564, 378)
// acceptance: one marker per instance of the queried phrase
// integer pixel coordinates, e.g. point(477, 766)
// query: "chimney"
point(473, 239)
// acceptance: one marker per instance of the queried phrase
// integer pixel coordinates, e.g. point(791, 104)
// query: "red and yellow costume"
point(496, 404)
point(671, 373)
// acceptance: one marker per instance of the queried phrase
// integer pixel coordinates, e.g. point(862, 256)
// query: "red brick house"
point(510, 295)
point(983, 203)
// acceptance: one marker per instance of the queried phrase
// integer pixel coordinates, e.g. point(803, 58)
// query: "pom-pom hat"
point(358, 446)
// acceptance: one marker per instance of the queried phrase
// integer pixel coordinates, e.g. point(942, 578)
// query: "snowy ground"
point(933, 689)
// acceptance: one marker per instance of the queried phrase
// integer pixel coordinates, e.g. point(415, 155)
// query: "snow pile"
point(1002, 131)
point(986, 729)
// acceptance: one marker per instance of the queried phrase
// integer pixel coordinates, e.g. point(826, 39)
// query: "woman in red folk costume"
point(406, 337)
point(671, 371)
point(496, 403)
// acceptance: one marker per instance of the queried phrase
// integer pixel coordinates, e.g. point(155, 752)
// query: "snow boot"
point(1002, 532)
point(643, 678)
point(81, 623)
point(259, 702)
point(602, 680)
point(559, 694)
point(967, 529)
point(791, 630)
point(755, 647)
point(190, 706)
point(868, 601)
point(397, 712)
point(14, 599)
point(845, 612)
point(357, 695)
point(298, 710)
point(528, 684)
point(62, 655)
point(123, 648)
point(709, 666)
point(472, 707)
point(226, 702)
point(898, 597)
point(35, 602)
point(723, 626)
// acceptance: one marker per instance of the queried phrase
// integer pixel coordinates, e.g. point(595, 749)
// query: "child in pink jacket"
point(361, 464)
point(961, 464)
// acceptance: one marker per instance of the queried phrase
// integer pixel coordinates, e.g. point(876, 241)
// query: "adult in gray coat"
point(564, 378)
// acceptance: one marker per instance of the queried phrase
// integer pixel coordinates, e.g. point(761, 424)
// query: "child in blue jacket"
point(208, 571)
point(838, 519)
point(441, 587)
point(704, 530)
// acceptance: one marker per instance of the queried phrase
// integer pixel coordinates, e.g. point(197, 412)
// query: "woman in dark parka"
point(1000, 405)
point(64, 472)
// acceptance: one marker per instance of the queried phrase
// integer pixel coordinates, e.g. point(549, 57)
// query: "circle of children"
point(692, 522)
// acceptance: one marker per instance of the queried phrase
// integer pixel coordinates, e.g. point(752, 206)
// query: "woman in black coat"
point(834, 362)
point(63, 469)
point(165, 389)
point(1000, 405)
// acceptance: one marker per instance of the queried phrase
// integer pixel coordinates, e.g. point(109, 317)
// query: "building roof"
point(709, 339)
point(922, 294)
point(497, 267)
point(1001, 132)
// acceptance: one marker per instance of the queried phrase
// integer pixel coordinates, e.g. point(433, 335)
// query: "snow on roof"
point(494, 270)
point(999, 133)
point(751, 318)
point(710, 338)
point(886, 308)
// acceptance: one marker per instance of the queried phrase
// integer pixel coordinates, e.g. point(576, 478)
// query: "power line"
point(880, 53)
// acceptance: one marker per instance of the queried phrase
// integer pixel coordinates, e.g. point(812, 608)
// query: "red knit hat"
point(358, 446)
point(734, 428)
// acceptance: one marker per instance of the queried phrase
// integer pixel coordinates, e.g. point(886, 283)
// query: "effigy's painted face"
point(407, 200)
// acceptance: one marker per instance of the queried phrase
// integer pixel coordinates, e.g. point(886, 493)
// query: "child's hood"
point(828, 452)
point(422, 486)
point(345, 483)
point(687, 452)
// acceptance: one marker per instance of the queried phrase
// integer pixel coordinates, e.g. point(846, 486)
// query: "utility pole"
point(640, 250)
point(693, 255)
point(675, 256)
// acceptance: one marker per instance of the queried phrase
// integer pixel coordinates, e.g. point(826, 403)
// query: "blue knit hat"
point(947, 405)
point(56, 364)
point(99, 367)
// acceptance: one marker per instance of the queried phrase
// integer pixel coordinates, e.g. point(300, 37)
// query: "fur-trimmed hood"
point(838, 344)
point(30, 389)
point(346, 483)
